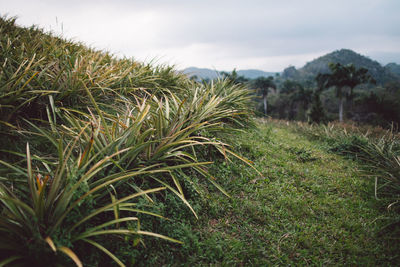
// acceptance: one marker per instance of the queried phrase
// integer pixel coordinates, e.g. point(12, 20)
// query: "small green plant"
point(350, 146)
point(302, 155)
point(383, 161)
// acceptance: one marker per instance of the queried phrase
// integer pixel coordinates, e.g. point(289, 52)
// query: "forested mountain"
point(344, 56)
point(382, 74)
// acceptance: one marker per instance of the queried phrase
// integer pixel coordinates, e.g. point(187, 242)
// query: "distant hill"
point(344, 56)
point(390, 72)
point(204, 73)
point(201, 73)
point(253, 74)
point(394, 68)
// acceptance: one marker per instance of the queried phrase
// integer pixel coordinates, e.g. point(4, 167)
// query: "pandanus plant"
point(48, 211)
point(154, 139)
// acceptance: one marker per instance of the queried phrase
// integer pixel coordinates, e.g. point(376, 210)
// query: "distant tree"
point(194, 78)
point(290, 73)
point(393, 87)
point(234, 77)
point(297, 101)
point(290, 86)
point(303, 97)
point(343, 78)
point(263, 85)
point(379, 106)
point(317, 112)
point(323, 81)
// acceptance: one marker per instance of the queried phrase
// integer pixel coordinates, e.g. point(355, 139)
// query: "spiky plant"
point(115, 131)
point(58, 202)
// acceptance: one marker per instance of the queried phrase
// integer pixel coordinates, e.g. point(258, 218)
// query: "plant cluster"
point(96, 141)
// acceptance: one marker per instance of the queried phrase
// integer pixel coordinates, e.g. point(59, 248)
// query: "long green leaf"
point(9, 260)
point(97, 245)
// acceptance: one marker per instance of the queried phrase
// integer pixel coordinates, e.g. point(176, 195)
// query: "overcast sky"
point(266, 35)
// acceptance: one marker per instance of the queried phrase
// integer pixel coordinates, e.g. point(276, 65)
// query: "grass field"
point(309, 207)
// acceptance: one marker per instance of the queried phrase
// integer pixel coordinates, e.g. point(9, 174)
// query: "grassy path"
point(309, 207)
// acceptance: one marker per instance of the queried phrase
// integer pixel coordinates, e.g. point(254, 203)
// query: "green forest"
point(108, 161)
point(363, 90)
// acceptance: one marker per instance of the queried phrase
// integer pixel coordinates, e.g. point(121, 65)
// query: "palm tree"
point(298, 101)
point(317, 112)
point(263, 85)
point(304, 98)
point(342, 78)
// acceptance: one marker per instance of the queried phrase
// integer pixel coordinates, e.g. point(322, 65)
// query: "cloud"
point(241, 34)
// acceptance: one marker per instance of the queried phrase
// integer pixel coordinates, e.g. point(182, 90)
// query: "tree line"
point(344, 93)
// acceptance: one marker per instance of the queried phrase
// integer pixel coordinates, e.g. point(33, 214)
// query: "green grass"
point(309, 207)
point(376, 150)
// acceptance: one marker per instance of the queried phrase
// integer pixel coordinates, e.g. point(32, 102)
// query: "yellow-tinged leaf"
point(86, 152)
point(51, 243)
point(177, 184)
point(39, 183)
point(8, 260)
point(71, 254)
point(115, 208)
point(159, 236)
point(7, 124)
point(30, 79)
point(31, 179)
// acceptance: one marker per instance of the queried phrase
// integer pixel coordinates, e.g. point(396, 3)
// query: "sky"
point(222, 35)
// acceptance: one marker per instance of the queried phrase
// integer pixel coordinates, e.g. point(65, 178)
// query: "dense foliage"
point(90, 142)
point(382, 74)
point(358, 97)
point(342, 85)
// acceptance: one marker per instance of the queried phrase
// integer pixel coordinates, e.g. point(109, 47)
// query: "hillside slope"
point(90, 142)
point(253, 74)
point(309, 207)
point(36, 64)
